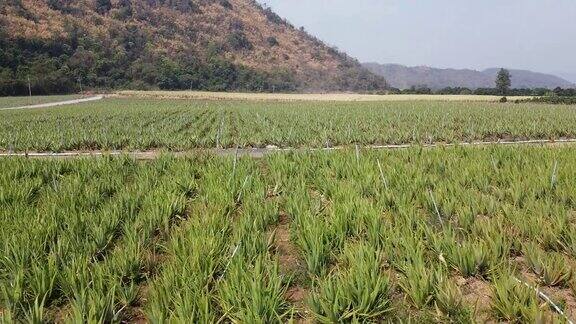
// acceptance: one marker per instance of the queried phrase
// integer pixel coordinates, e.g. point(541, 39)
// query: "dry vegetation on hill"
point(170, 44)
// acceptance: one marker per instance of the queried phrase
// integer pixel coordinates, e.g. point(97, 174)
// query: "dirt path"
point(261, 152)
point(291, 265)
point(58, 103)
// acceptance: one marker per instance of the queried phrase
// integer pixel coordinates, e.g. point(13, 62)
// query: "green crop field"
point(420, 235)
point(137, 124)
point(9, 102)
point(443, 235)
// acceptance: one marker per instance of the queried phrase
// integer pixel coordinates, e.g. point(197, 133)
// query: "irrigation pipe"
point(382, 177)
point(259, 152)
point(546, 299)
point(230, 261)
point(436, 208)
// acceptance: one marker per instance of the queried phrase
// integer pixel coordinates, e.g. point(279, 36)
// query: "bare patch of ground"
point(136, 315)
point(292, 266)
point(477, 294)
point(287, 252)
point(202, 95)
point(297, 295)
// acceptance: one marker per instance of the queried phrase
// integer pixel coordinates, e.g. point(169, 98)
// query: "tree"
point(103, 6)
point(125, 11)
point(238, 41)
point(503, 81)
point(272, 41)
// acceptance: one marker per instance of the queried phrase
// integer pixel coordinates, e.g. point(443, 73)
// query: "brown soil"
point(136, 315)
point(287, 252)
point(291, 264)
point(297, 295)
point(58, 314)
point(477, 294)
point(288, 255)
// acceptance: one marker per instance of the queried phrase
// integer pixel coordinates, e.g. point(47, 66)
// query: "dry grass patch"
point(204, 95)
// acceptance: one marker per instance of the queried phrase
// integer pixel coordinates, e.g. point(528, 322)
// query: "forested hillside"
point(63, 45)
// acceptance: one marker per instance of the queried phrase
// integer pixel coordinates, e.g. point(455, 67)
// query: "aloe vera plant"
point(181, 125)
point(297, 236)
point(448, 301)
point(551, 268)
point(514, 302)
point(359, 291)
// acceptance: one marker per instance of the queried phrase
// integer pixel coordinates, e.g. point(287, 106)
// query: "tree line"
point(502, 84)
point(55, 68)
point(481, 91)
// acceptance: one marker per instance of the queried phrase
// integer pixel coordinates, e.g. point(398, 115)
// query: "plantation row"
point(136, 124)
point(425, 235)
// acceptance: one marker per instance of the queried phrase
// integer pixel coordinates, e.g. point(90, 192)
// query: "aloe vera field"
point(181, 125)
point(419, 235)
point(287, 162)
point(425, 234)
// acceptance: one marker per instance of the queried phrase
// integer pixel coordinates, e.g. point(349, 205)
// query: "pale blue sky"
point(539, 35)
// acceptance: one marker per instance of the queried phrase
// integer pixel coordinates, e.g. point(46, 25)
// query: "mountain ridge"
point(404, 77)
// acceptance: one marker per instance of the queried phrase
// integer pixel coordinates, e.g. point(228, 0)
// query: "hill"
point(403, 77)
point(168, 44)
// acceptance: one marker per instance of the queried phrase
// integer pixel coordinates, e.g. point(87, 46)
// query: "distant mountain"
point(568, 76)
point(403, 77)
point(167, 44)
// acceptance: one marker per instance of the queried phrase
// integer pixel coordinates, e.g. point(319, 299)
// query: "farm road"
point(261, 152)
point(58, 103)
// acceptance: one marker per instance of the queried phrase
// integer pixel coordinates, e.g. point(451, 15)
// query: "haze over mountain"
point(568, 76)
point(525, 34)
point(168, 44)
point(403, 77)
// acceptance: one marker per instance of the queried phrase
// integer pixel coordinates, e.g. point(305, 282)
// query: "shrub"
point(273, 17)
point(226, 4)
point(272, 41)
point(103, 6)
point(557, 100)
point(238, 41)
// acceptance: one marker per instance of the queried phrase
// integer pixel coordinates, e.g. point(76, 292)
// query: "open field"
point(460, 234)
point(9, 102)
point(425, 235)
point(202, 95)
point(178, 125)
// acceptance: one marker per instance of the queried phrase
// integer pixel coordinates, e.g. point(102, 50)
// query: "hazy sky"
point(539, 35)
